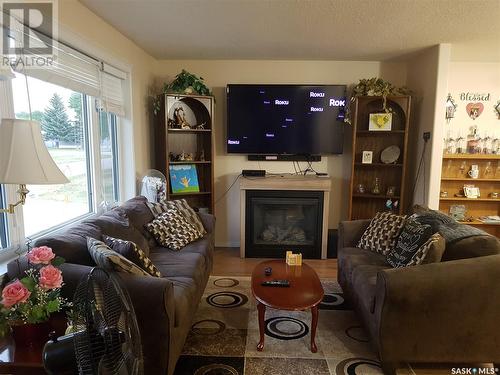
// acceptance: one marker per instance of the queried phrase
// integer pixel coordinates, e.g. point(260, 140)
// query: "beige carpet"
point(225, 333)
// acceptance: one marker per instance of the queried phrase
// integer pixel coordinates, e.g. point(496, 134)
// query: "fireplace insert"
point(277, 221)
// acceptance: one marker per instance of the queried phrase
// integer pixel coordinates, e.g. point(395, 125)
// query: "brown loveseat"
point(445, 312)
point(164, 306)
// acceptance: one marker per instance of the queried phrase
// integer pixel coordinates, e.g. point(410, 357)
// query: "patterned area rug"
point(223, 339)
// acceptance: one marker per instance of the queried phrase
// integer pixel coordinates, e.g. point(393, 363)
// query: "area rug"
point(224, 336)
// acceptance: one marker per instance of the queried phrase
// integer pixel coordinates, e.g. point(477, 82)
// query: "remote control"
point(278, 283)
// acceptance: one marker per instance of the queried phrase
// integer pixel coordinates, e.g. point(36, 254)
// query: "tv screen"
point(285, 119)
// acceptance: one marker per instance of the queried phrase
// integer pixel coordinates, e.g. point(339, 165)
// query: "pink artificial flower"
point(50, 277)
point(14, 293)
point(40, 255)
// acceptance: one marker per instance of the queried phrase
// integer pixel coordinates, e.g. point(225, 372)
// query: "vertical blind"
point(74, 70)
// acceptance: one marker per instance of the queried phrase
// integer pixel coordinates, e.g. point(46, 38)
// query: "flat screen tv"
point(285, 119)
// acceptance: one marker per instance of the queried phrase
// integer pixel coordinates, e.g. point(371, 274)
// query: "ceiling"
point(305, 29)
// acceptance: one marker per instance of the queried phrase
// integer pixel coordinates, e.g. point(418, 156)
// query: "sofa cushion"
point(382, 232)
point(132, 252)
point(171, 229)
point(364, 282)
point(115, 223)
point(351, 257)
point(72, 243)
point(186, 294)
point(184, 209)
point(436, 249)
point(179, 264)
point(409, 249)
point(110, 260)
point(472, 247)
point(137, 212)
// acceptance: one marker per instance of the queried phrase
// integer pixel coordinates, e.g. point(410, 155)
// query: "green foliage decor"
point(375, 87)
point(183, 83)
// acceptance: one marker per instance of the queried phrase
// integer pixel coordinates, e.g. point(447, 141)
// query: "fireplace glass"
point(285, 220)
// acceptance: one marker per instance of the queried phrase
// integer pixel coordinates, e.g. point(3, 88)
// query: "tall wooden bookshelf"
point(196, 140)
point(366, 205)
point(454, 175)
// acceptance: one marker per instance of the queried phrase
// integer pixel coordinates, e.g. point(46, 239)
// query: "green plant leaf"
point(29, 283)
point(57, 261)
point(53, 306)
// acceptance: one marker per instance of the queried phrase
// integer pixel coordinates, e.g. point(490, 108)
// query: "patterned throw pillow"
point(409, 242)
point(381, 234)
point(110, 260)
point(183, 207)
point(132, 252)
point(434, 245)
point(172, 230)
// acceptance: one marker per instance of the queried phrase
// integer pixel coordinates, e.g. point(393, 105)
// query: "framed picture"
point(380, 122)
point(367, 157)
point(457, 212)
point(471, 191)
point(184, 178)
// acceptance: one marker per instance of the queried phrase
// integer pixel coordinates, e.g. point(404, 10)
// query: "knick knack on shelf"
point(376, 186)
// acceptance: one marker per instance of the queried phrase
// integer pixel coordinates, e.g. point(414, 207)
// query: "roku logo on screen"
point(313, 94)
point(337, 102)
point(231, 142)
point(281, 102)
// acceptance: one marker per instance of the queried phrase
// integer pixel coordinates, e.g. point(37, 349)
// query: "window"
point(3, 222)
point(65, 131)
point(109, 156)
point(82, 140)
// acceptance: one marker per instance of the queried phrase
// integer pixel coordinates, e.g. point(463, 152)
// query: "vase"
point(31, 335)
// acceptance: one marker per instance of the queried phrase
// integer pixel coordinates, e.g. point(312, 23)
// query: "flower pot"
point(31, 335)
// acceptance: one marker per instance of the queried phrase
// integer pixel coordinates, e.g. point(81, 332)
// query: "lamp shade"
point(24, 158)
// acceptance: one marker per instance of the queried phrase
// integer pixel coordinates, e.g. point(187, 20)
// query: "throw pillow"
point(183, 207)
point(172, 230)
point(430, 252)
point(132, 252)
point(110, 260)
point(382, 232)
point(436, 249)
point(412, 237)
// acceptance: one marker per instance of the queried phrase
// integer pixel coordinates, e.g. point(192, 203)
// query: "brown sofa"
point(444, 312)
point(164, 306)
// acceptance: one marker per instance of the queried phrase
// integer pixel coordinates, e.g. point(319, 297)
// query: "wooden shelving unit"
point(365, 205)
point(453, 178)
point(198, 110)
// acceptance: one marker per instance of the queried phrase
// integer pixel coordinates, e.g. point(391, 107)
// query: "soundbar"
point(284, 157)
point(253, 173)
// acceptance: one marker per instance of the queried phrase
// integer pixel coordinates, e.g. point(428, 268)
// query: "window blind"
point(76, 71)
point(112, 98)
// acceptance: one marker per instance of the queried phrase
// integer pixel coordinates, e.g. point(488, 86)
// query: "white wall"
point(218, 73)
point(474, 77)
point(427, 75)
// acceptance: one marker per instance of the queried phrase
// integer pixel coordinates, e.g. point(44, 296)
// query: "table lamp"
point(24, 158)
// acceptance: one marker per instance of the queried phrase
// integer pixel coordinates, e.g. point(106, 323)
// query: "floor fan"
point(105, 337)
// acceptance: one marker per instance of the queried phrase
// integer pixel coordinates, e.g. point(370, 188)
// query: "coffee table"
point(305, 292)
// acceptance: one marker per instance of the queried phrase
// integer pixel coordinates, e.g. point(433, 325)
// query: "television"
point(285, 119)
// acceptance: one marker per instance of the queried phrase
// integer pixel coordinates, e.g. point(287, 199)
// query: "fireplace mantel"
point(286, 182)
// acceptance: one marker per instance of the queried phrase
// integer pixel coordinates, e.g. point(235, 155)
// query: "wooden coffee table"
point(305, 292)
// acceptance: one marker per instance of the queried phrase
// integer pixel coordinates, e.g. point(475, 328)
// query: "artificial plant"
point(183, 83)
point(375, 87)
